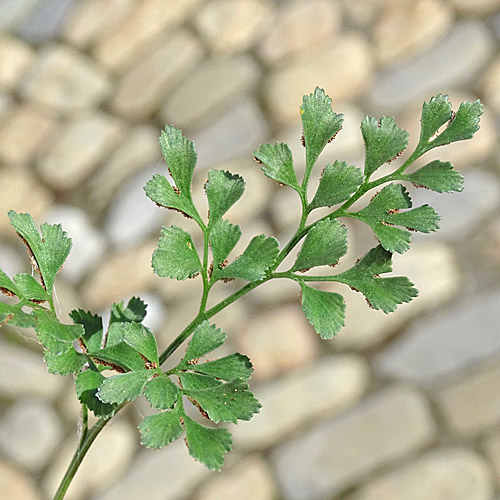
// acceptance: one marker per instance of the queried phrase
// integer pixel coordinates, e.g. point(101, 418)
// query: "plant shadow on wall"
point(218, 388)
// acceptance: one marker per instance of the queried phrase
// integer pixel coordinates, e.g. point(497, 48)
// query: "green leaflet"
point(461, 126)
point(13, 315)
point(437, 175)
point(176, 256)
point(7, 286)
point(180, 156)
point(29, 288)
point(223, 190)
point(123, 387)
point(195, 381)
point(161, 429)
point(87, 384)
point(55, 336)
point(206, 338)
point(122, 355)
point(338, 182)
point(48, 251)
point(227, 368)
point(320, 125)
point(208, 446)
point(324, 310)
point(227, 402)
point(382, 214)
point(223, 238)
point(435, 114)
point(277, 163)
point(381, 293)
point(324, 245)
point(253, 263)
point(92, 324)
point(161, 392)
point(161, 192)
point(384, 141)
point(65, 363)
point(142, 339)
point(135, 311)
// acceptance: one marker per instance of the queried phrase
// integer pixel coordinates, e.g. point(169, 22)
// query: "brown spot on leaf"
point(334, 135)
point(34, 262)
point(6, 320)
point(395, 157)
point(7, 292)
point(117, 368)
point(200, 409)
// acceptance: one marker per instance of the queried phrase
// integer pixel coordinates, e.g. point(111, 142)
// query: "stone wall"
point(398, 407)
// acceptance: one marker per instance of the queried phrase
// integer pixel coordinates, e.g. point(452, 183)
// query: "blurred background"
point(404, 406)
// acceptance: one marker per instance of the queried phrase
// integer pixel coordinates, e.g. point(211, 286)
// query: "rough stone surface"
point(22, 193)
point(250, 479)
point(477, 7)
point(30, 432)
point(453, 61)
point(66, 80)
point(361, 12)
point(315, 393)
point(460, 214)
point(443, 474)
point(24, 121)
point(137, 150)
point(404, 28)
point(385, 427)
point(472, 403)
point(491, 445)
point(15, 59)
point(24, 373)
point(144, 87)
point(66, 299)
point(491, 85)
point(234, 26)
point(5, 105)
point(138, 29)
point(16, 485)
point(120, 275)
point(12, 261)
point(298, 28)
point(90, 20)
point(84, 141)
point(351, 57)
point(170, 474)
point(278, 340)
point(213, 87)
point(106, 462)
point(235, 134)
point(46, 21)
point(132, 216)
point(231, 74)
point(88, 243)
point(13, 12)
point(433, 268)
point(444, 344)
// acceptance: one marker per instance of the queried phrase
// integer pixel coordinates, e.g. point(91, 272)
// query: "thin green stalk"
point(204, 272)
point(172, 347)
point(82, 449)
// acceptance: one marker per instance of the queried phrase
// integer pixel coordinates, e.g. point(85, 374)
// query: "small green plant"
point(219, 388)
